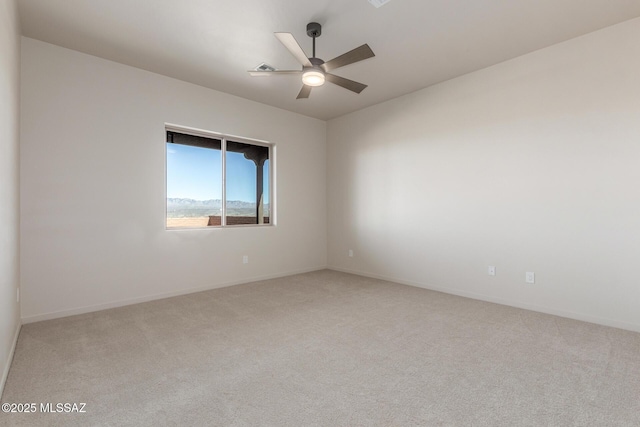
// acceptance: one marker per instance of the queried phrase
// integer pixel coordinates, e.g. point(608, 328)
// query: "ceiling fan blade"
point(345, 83)
point(355, 55)
point(255, 73)
point(292, 45)
point(304, 92)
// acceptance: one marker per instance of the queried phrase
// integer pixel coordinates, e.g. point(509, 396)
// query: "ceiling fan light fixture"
point(313, 78)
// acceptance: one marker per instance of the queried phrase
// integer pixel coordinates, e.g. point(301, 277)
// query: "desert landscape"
point(212, 221)
point(190, 213)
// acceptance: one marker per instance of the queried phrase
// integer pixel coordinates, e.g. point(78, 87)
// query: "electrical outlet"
point(350, 253)
point(530, 277)
point(491, 270)
point(245, 259)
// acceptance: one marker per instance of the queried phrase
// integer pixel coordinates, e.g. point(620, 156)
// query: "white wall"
point(9, 185)
point(530, 165)
point(92, 187)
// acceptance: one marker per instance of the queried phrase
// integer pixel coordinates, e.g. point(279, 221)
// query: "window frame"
point(169, 127)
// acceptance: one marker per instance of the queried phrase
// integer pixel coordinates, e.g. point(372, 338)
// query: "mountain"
point(186, 203)
point(184, 207)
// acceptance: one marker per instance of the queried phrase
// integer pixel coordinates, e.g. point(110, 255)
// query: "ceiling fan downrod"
point(314, 30)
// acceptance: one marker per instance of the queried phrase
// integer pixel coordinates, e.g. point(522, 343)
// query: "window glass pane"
point(247, 191)
point(266, 195)
point(194, 185)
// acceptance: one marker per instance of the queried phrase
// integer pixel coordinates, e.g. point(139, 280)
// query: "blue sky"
point(195, 173)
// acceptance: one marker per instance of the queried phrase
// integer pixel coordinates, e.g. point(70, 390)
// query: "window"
point(214, 181)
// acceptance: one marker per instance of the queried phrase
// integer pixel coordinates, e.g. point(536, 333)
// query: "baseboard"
point(147, 298)
point(7, 365)
point(517, 304)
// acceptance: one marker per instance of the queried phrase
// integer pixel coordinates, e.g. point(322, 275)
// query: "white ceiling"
point(214, 42)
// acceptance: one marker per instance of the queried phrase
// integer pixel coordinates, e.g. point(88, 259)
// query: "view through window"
point(214, 181)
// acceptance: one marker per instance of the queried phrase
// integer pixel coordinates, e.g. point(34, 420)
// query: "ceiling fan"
point(314, 70)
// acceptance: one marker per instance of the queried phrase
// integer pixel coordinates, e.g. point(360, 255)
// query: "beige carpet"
point(326, 349)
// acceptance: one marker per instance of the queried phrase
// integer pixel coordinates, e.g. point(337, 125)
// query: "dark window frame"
point(255, 150)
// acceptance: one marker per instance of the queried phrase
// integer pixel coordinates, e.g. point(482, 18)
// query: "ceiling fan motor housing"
point(316, 62)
